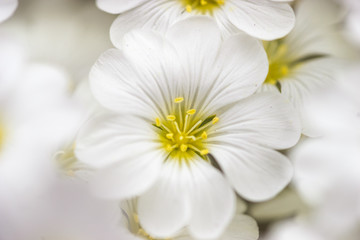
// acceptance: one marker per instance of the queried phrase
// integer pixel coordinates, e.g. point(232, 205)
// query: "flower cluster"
point(200, 121)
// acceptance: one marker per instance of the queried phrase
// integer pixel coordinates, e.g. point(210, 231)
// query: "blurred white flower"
point(264, 19)
point(69, 33)
point(306, 59)
point(180, 102)
point(7, 8)
point(242, 227)
point(36, 117)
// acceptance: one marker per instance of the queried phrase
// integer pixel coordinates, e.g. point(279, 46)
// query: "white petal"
point(267, 119)
point(7, 8)
point(303, 82)
point(155, 14)
point(235, 75)
point(118, 6)
point(242, 227)
point(213, 202)
point(128, 178)
point(197, 47)
point(257, 173)
point(165, 208)
point(262, 19)
point(107, 139)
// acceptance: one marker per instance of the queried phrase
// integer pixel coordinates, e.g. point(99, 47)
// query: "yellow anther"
point(157, 122)
point(171, 117)
point(178, 99)
point(183, 147)
point(204, 151)
point(203, 2)
point(220, 2)
point(170, 135)
point(169, 148)
point(188, 8)
point(215, 120)
point(191, 111)
point(204, 135)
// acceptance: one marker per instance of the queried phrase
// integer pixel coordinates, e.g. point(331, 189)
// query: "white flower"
point(179, 103)
point(35, 118)
point(242, 227)
point(304, 60)
point(7, 8)
point(264, 19)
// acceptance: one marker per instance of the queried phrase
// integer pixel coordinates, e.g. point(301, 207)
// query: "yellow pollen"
point(215, 120)
point(183, 147)
point(169, 148)
point(204, 151)
point(188, 8)
point(170, 136)
point(202, 6)
point(204, 135)
point(157, 122)
point(171, 117)
point(178, 99)
point(184, 133)
point(191, 111)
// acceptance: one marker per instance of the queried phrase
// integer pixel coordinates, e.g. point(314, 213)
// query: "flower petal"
point(165, 208)
point(267, 119)
point(235, 77)
point(242, 227)
point(213, 201)
point(106, 139)
point(257, 173)
point(262, 19)
point(155, 14)
point(7, 8)
point(118, 6)
point(128, 178)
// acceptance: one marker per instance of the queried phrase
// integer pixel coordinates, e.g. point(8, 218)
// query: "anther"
point(204, 135)
point(157, 122)
point(183, 147)
point(171, 117)
point(170, 136)
point(203, 2)
point(169, 148)
point(188, 8)
point(178, 99)
point(204, 151)
point(215, 120)
point(191, 111)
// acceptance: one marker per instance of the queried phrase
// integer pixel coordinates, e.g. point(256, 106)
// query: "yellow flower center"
point(183, 132)
point(202, 6)
point(279, 64)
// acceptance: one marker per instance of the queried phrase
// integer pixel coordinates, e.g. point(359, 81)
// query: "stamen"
point(170, 136)
point(215, 120)
point(171, 117)
point(204, 135)
point(157, 122)
point(203, 2)
point(191, 111)
point(188, 8)
point(178, 99)
point(183, 147)
point(204, 151)
point(193, 127)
